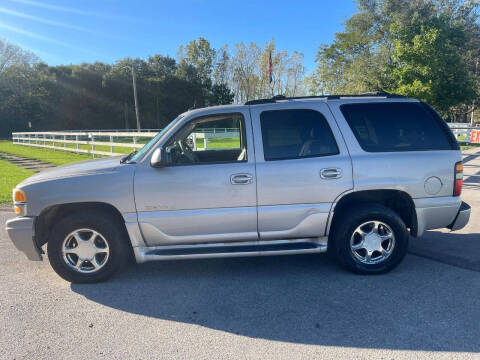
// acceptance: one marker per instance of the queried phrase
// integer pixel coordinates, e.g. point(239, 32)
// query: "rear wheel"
point(370, 239)
point(87, 247)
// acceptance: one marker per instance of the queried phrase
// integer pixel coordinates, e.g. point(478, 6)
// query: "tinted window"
point(292, 134)
point(397, 127)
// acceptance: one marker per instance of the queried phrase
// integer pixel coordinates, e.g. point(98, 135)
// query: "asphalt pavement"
point(282, 307)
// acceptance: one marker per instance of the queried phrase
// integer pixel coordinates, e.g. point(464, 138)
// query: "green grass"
point(10, 176)
point(57, 157)
point(220, 143)
point(469, 146)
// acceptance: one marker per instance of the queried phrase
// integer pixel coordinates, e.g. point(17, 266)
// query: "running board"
point(234, 249)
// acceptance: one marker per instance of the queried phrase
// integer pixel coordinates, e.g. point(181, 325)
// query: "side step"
point(234, 249)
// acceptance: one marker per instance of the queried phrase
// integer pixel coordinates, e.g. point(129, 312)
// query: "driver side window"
point(210, 139)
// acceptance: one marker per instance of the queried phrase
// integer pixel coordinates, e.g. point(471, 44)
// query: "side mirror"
point(159, 158)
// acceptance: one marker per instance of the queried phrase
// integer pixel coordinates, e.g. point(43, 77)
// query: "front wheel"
point(371, 239)
point(87, 247)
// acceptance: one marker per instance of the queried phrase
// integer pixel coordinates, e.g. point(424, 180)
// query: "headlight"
point(19, 196)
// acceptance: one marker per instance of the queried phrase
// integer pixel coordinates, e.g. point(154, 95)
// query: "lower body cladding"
point(441, 212)
point(223, 225)
point(232, 248)
point(230, 232)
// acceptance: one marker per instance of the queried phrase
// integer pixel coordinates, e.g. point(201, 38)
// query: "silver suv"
point(356, 175)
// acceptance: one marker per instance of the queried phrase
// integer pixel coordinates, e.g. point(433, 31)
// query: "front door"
point(302, 167)
point(207, 193)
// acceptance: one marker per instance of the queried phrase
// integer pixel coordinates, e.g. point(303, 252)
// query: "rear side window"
point(397, 126)
point(296, 133)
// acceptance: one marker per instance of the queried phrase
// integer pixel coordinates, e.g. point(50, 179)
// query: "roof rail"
point(327, 97)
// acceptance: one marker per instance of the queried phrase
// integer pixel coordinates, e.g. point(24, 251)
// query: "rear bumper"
point(462, 217)
point(436, 212)
point(21, 232)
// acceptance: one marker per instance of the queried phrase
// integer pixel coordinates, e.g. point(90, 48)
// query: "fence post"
point(111, 144)
point(64, 143)
point(76, 139)
point(93, 145)
point(134, 143)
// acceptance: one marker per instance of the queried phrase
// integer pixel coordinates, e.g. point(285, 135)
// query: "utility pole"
point(135, 98)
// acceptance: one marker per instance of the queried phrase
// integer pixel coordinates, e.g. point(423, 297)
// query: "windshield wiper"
point(128, 157)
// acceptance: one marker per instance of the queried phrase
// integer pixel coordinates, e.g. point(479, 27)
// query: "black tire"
point(105, 224)
point(344, 227)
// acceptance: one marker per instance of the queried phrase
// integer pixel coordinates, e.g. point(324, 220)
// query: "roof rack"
point(327, 97)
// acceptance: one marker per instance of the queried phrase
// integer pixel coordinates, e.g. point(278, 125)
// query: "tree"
point(427, 64)
point(200, 55)
point(418, 48)
point(160, 66)
point(220, 94)
point(13, 55)
point(245, 71)
point(221, 73)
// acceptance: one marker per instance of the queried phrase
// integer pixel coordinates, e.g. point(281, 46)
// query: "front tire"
point(87, 247)
point(371, 239)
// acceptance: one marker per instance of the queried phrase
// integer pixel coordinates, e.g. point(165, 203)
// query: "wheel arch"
point(398, 201)
point(46, 219)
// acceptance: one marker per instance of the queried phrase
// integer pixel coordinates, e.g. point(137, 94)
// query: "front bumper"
point(21, 232)
point(462, 217)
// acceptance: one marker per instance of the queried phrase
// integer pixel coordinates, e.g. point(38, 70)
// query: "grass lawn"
point(220, 143)
point(470, 146)
point(10, 176)
point(48, 155)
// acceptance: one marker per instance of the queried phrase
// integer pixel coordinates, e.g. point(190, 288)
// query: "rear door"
point(303, 166)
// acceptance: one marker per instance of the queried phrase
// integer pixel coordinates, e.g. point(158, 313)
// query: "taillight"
point(458, 179)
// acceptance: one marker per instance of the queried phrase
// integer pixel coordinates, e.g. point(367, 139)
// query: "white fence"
point(96, 142)
point(85, 141)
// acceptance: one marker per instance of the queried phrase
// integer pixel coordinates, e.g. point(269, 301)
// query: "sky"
point(75, 31)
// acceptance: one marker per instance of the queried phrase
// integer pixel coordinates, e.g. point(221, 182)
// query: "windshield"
point(154, 140)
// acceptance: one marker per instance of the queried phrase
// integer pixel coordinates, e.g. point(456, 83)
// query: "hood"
point(88, 167)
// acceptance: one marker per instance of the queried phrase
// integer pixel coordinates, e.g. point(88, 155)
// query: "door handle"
point(331, 173)
point(241, 179)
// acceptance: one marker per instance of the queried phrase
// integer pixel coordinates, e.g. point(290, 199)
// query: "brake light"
point(458, 180)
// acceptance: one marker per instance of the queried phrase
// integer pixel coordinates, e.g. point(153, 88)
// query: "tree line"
point(425, 49)
point(35, 96)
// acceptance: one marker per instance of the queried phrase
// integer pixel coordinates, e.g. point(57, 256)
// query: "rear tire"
point(370, 239)
point(87, 247)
